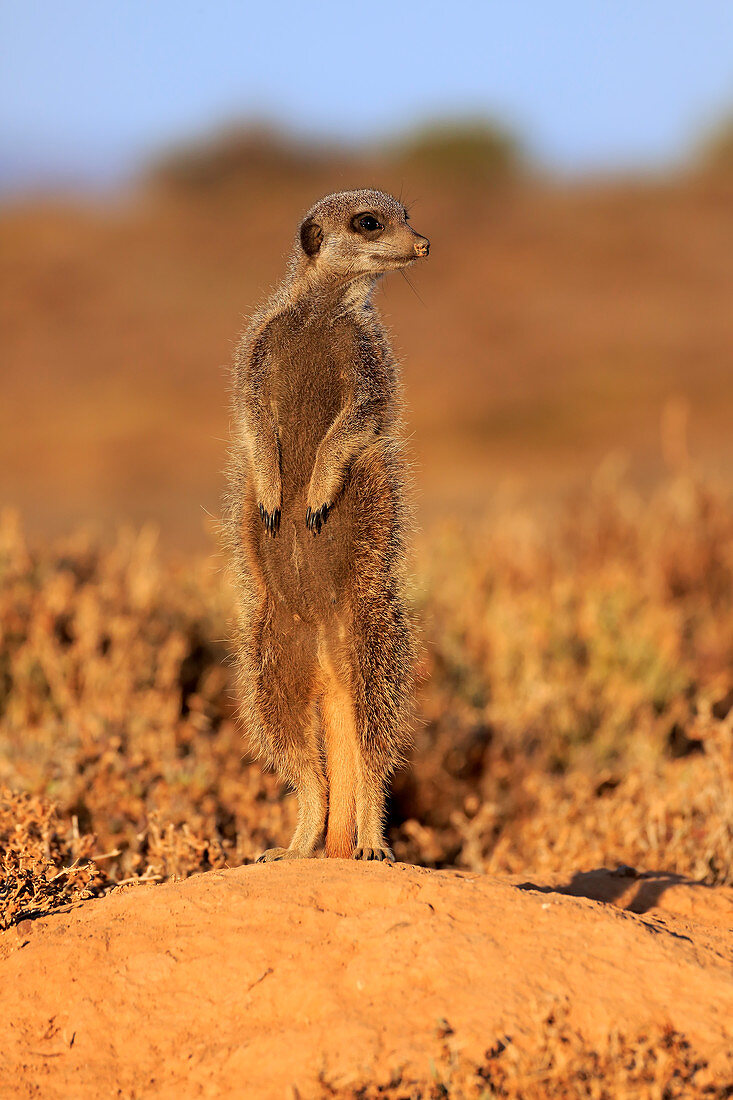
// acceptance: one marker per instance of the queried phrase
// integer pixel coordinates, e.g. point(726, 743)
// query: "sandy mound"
point(261, 979)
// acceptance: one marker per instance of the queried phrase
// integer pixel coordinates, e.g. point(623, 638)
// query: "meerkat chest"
point(314, 377)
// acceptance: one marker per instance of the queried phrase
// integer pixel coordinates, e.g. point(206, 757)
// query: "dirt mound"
point(303, 979)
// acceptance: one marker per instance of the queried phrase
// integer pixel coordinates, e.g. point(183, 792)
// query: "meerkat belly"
point(308, 395)
point(307, 572)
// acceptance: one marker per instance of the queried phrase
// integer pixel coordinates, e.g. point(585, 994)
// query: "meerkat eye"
point(369, 223)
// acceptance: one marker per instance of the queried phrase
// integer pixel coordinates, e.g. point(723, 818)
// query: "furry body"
point(316, 523)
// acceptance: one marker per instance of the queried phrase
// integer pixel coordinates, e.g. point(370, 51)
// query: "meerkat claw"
point(314, 520)
point(379, 854)
point(273, 855)
point(271, 520)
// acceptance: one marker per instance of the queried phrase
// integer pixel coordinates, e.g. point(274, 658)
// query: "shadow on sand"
point(645, 888)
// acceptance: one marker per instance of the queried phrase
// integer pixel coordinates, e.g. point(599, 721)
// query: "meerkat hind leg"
point(342, 764)
point(300, 763)
point(311, 792)
point(377, 688)
point(370, 842)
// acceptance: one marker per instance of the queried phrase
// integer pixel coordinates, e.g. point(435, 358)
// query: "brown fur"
point(315, 521)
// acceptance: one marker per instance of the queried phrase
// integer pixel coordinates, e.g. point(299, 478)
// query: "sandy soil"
point(288, 979)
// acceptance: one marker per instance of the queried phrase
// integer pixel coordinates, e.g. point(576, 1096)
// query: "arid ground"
point(566, 928)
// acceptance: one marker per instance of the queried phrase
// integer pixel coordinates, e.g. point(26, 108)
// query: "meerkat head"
point(355, 233)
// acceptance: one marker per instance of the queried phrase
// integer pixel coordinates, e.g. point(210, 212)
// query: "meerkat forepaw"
point(271, 519)
point(384, 855)
point(314, 520)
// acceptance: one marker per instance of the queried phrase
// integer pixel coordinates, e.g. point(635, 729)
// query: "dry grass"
point(42, 866)
point(579, 707)
point(559, 1065)
point(576, 710)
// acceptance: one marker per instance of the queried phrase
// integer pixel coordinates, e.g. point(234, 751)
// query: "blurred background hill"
point(576, 305)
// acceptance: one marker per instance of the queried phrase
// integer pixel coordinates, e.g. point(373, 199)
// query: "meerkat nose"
point(422, 246)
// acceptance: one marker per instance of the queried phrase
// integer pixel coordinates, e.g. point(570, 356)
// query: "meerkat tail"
point(339, 736)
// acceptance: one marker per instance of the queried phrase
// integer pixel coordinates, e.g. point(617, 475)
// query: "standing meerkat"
point(315, 523)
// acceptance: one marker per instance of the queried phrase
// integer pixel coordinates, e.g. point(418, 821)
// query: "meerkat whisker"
point(412, 288)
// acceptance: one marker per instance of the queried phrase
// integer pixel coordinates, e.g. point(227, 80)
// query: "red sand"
point(265, 979)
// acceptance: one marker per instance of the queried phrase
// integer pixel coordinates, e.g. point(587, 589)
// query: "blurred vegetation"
point(471, 150)
point(474, 150)
point(577, 708)
point(560, 1064)
point(561, 320)
point(716, 151)
point(235, 154)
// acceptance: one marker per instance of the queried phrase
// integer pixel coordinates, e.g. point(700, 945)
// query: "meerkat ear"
point(311, 236)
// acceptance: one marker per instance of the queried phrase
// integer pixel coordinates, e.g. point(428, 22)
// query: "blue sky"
point(90, 88)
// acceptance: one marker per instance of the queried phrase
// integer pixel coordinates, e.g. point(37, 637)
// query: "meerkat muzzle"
point(422, 247)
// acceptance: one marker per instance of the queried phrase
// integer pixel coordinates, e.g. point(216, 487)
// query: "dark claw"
point(271, 520)
point(315, 520)
point(378, 855)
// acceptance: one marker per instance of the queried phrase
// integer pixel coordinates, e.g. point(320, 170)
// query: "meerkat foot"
point(274, 854)
point(383, 854)
point(271, 519)
point(314, 519)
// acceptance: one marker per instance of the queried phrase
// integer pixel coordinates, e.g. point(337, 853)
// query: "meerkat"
point(316, 520)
